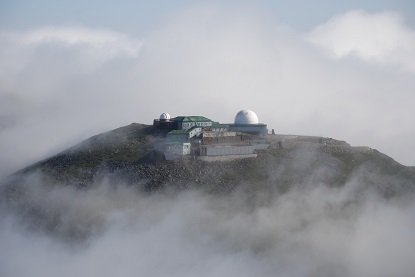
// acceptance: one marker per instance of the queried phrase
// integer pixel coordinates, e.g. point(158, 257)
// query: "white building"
point(176, 149)
point(246, 121)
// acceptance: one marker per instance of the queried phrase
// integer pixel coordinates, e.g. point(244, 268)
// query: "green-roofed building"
point(187, 122)
point(184, 135)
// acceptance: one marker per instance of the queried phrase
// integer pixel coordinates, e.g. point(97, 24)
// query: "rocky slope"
point(53, 195)
point(132, 155)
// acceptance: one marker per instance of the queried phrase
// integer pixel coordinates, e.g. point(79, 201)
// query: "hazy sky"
point(72, 69)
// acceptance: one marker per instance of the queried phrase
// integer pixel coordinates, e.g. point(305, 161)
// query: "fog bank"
point(113, 229)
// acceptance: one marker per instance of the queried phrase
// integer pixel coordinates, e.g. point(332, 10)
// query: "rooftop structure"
point(193, 118)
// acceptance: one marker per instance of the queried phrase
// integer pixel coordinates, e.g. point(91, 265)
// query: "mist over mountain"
point(112, 205)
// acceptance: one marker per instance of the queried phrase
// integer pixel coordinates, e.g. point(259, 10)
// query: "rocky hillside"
point(62, 195)
point(132, 155)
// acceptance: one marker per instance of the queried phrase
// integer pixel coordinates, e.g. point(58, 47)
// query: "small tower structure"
point(165, 123)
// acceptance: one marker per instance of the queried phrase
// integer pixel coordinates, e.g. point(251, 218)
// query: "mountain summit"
point(134, 155)
point(63, 195)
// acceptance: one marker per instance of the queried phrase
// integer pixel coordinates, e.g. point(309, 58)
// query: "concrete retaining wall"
point(207, 134)
point(218, 140)
point(225, 158)
point(223, 150)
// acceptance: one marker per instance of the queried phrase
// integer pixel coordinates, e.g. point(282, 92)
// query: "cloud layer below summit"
point(311, 230)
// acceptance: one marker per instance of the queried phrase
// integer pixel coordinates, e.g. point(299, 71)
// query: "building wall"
point(220, 127)
point(226, 150)
point(173, 150)
point(165, 124)
point(249, 128)
point(208, 134)
point(188, 125)
point(218, 140)
point(178, 137)
point(261, 146)
point(225, 158)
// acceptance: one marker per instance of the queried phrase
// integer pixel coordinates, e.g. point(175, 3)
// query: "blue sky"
point(140, 16)
point(72, 69)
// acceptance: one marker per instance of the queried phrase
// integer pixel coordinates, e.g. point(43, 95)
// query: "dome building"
point(165, 122)
point(246, 121)
point(164, 117)
point(246, 117)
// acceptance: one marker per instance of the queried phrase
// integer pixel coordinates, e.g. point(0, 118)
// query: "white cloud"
point(311, 230)
point(93, 46)
point(381, 38)
point(53, 87)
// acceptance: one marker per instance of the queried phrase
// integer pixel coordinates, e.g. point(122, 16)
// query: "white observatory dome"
point(246, 117)
point(164, 116)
